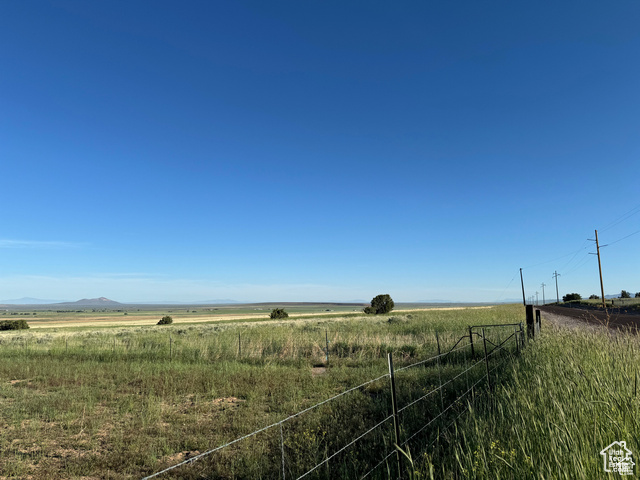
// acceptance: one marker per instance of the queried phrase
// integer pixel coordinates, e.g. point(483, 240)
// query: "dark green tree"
point(13, 325)
point(380, 304)
point(571, 296)
point(278, 313)
point(637, 295)
point(166, 320)
point(625, 294)
point(594, 297)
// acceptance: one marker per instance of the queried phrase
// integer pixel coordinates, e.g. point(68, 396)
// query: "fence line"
point(498, 347)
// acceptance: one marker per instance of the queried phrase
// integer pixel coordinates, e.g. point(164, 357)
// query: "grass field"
point(123, 402)
point(571, 394)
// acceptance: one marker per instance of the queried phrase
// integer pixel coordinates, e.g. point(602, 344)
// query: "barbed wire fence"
point(391, 417)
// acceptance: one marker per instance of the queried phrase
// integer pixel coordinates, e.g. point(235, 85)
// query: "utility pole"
point(524, 302)
point(536, 298)
point(556, 275)
point(543, 285)
point(604, 304)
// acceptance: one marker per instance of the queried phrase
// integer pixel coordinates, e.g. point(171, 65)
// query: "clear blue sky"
point(292, 151)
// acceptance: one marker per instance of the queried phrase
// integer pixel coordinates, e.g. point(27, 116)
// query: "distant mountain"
point(28, 301)
point(93, 302)
point(199, 302)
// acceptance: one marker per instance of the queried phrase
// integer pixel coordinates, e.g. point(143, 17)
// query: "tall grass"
point(570, 395)
point(117, 403)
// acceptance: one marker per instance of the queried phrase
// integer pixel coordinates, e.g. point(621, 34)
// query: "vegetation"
point(380, 304)
point(574, 391)
point(166, 320)
point(569, 297)
point(278, 313)
point(124, 403)
point(13, 325)
point(594, 297)
point(625, 294)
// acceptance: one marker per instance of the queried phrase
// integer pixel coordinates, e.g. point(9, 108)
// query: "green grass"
point(116, 403)
point(570, 394)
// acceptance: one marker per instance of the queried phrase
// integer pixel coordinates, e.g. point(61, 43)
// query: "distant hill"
point(92, 302)
point(28, 301)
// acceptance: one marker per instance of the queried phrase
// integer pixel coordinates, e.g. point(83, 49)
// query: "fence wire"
point(497, 348)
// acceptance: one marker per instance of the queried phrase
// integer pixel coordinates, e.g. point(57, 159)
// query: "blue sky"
point(309, 151)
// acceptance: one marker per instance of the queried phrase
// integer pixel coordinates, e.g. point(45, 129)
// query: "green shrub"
point(380, 304)
point(13, 325)
point(571, 296)
point(166, 320)
point(278, 313)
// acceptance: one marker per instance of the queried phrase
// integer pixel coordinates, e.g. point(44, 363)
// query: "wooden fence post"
point(538, 322)
point(530, 325)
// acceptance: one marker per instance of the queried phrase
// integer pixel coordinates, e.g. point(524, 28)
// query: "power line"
point(554, 259)
point(585, 259)
point(620, 239)
point(506, 288)
point(622, 218)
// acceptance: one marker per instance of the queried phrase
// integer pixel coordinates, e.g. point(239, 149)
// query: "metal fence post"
point(517, 340)
point(282, 450)
point(394, 407)
point(439, 373)
point(486, 358)
point(473, 353)
point(538, 321)
point(170, 348)
point(239, 346)
point(326, 339)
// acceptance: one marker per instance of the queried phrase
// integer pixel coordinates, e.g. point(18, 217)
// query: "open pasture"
point(125, 402)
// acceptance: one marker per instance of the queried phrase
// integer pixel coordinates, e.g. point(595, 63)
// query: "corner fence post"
point(394, 407)
point(473, 353)
point(530, 325)
point(538, 321)
point(486, 358)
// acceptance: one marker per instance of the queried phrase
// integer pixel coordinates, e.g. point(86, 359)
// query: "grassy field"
point(124, 402)
point(65, 316)
point(571, 394)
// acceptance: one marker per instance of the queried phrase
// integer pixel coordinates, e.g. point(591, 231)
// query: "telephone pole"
point(543, 285)
point(524, 302)
point(604, 304)
point(536, 298)
point(556, 275)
